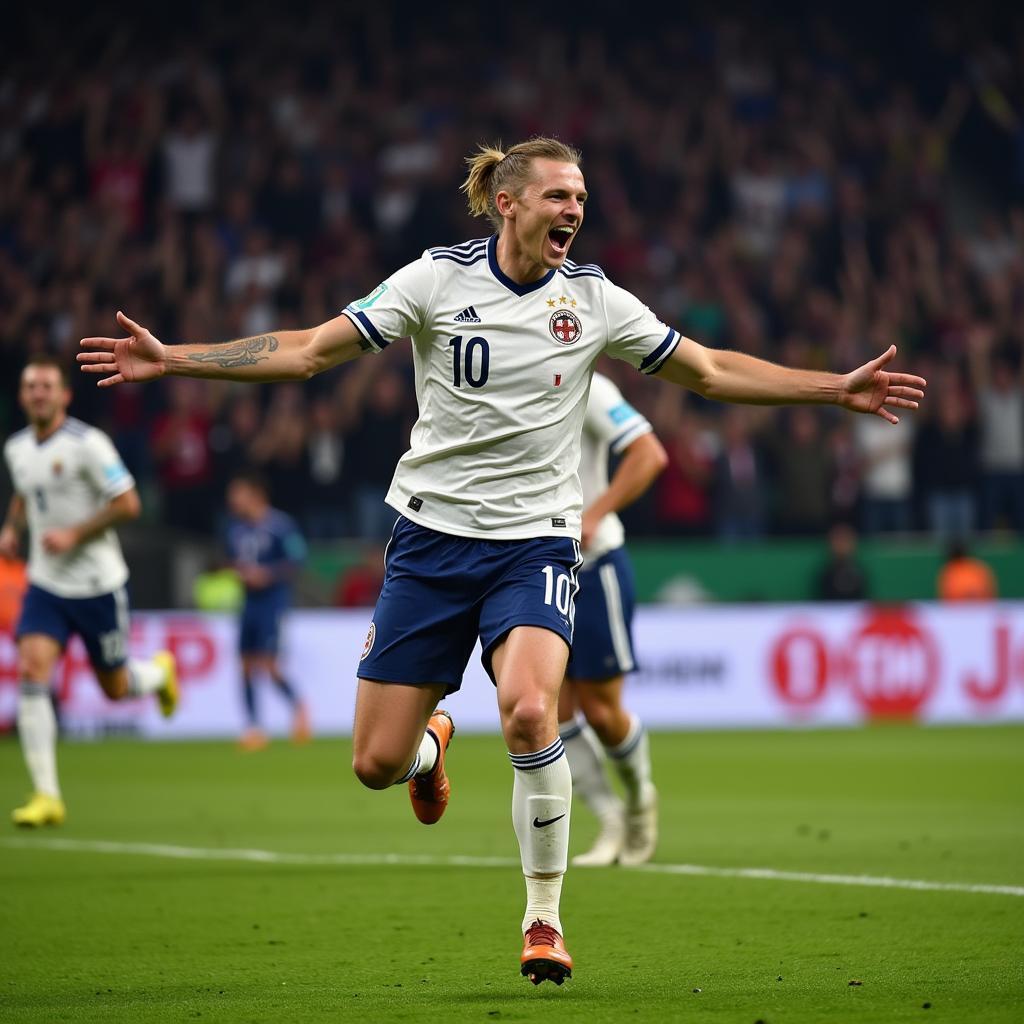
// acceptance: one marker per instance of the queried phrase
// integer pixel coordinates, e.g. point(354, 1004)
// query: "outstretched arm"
point(284, 355)
point(734, 377)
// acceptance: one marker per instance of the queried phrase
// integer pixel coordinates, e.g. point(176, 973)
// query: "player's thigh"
point(390, 719)
point(42, 632)
point(37, 655)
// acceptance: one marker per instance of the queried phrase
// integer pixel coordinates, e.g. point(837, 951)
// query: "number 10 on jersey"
point(473, 365)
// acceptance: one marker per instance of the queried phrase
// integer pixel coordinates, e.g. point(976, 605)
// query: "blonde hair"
point(492, 170)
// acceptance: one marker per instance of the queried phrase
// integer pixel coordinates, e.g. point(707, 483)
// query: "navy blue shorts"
point(101, 622)
point(603, 648)
point(441, 592)
point(259, 630)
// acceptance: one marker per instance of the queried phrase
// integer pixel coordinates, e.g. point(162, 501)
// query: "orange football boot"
point(429, 792)
point(545, 957)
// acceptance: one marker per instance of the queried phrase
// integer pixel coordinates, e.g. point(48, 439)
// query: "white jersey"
point(611, 424)
point(502, 376)
point(65, 480)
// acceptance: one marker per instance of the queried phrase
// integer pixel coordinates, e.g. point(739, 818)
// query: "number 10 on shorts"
point(557, 588)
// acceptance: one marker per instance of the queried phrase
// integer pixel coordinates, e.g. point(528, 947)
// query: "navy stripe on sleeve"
point(661, 353)
point(361, 318)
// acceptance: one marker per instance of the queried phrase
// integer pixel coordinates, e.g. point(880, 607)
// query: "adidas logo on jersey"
point(467, 316)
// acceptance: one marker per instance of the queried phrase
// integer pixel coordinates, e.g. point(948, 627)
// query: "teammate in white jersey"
point(505, 334)
point(70, 490)
point(602, 651)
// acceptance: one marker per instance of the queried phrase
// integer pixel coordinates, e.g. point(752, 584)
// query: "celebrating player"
point(602, 651)
point(266, 549)
point(505, 333)
point(70, 488)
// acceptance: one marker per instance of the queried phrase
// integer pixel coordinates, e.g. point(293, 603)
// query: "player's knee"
point(373, 771)
point(529, 720)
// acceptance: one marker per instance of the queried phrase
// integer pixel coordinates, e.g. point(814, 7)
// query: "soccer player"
point(70, 490)
point(602, 651)
point(505, 333)
point(266, 549)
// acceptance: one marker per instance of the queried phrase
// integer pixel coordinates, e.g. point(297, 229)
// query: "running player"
point(70, 489)
point(602, 651)
point(505, 333)
point(266, 549)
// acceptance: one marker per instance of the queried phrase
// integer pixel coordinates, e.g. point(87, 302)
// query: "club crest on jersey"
point(565, 327)
point(58, 468)
point(368, 642)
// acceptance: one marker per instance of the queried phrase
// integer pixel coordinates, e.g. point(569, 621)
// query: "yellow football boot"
point(40, 810)
point(167, 695)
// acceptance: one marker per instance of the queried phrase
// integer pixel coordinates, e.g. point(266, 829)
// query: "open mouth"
point(561, 237)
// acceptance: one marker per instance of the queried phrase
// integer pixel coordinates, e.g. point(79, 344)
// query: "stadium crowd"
point(793, 188)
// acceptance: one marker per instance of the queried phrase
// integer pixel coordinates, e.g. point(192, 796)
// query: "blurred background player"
point(70, 489)
point(266, 549)
point(602, 650)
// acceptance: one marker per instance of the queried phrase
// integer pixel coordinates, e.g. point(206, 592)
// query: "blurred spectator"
point(964, 577)
point(376, 421)
point(886, 473)
point(803, 474)
point(190, 154)
point(279, 449)
point(996, 374)
point(945, 459)
point(325, 502)
point(682, 494)
point(181, 450)
point(234, 434)
point(842, 577)
point(739, 479)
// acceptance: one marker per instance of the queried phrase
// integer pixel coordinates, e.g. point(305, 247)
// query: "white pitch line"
point(426, 860)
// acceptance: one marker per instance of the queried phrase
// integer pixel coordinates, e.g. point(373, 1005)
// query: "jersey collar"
point(512, 286)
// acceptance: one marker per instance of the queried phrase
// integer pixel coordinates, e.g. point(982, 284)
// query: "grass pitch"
point(176, 915)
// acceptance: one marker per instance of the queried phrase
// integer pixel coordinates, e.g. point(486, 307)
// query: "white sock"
point(632, 760)
point(144, 677)
point(37, 730)
point(541, 806)
point(425, 759)
point(586, 759)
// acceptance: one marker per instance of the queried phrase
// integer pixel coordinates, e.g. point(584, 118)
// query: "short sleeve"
point(610, 418)
point(104, 467)
point(635, 334)
point(397, 307)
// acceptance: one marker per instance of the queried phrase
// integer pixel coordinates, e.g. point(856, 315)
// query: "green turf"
point(101, 937)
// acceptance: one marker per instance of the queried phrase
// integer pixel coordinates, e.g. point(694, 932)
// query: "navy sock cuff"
point(540, 758)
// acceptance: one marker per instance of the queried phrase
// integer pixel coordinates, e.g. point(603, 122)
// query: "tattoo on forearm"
point(239, 353)
point(364, 345)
